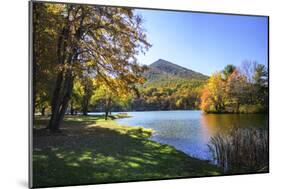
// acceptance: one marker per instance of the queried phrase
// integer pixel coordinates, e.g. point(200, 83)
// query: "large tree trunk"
point(67, 54)
point(61, 97)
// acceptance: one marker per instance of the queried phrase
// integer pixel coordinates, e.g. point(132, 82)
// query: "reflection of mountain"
point(164, 70)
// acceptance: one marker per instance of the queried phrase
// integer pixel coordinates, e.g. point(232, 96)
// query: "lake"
point(190, 131)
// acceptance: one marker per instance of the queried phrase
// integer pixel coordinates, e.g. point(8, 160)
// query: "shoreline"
point(207, 113)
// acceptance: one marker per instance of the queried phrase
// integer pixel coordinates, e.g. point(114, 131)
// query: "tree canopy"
point(82, 39)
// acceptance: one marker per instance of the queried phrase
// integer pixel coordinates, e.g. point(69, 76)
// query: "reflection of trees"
point(223, 123)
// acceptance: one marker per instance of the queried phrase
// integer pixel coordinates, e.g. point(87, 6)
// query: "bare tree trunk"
point(55, 101)
point(61, 97)
point(107, 107)
point(67, 96)
point(85, 105)
point(85, 102)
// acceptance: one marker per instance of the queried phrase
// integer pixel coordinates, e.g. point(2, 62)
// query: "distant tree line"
point(177, 95)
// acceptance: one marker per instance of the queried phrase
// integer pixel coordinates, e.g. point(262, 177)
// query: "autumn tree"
point(119, 92)
point(103, 96)
point(76, 98)
point(236, 90)
point(103, 40)
point(45, 25)
point(83, 90)
point(206, 101)
point(88, 90)
point(213, 95)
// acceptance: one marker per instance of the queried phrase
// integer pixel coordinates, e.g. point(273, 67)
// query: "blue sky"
point(204, 42)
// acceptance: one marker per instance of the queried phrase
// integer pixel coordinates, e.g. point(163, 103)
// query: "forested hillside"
point(169, 87)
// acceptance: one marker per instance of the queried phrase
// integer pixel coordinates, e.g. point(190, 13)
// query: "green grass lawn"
point(92, 150)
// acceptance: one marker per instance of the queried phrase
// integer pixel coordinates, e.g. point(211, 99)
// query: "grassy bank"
point(92, 150)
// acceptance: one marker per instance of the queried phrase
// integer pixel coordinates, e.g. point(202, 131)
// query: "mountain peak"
point(164, 67)
point(160, 62)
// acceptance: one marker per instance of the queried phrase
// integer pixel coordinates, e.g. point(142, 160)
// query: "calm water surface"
point(190, 131)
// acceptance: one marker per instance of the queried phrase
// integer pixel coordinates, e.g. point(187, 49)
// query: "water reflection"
point(221, 123)
point(190, 131)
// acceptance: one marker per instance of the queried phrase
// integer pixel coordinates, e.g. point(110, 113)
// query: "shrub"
point(241, 150)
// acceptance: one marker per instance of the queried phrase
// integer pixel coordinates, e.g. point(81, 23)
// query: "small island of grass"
point(90, 149)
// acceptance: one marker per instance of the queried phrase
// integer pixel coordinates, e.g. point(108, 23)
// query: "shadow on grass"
point(100, 154)
point(69, 120)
